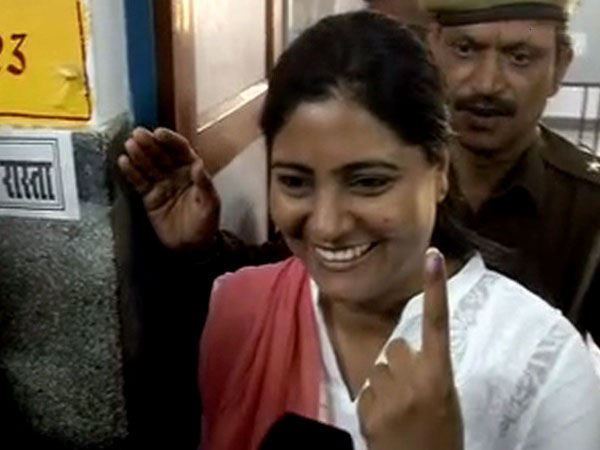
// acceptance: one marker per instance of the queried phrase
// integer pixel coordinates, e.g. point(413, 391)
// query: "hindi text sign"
point(37, 175)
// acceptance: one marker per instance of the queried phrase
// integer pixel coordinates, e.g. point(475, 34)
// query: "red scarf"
point(259, 354)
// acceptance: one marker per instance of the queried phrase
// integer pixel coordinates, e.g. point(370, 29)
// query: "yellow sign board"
point(43, 78)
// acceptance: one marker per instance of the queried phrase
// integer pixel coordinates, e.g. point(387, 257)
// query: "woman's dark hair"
point(384, 67)
point(372, 59)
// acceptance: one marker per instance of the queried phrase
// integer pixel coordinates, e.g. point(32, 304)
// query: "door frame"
point(225, 130)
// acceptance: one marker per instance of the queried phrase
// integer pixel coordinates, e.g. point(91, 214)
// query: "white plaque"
point(37, 175)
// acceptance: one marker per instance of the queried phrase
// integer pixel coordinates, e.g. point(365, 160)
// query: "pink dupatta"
point(259, 355)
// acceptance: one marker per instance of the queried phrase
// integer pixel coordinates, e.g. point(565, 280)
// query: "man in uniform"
point(516, 182)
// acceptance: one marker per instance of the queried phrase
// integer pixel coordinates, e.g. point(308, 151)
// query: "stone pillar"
point(61, 328)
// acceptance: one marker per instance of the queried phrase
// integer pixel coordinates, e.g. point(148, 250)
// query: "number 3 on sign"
point(19, 63)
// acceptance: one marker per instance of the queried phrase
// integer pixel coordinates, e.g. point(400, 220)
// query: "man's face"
point(498, 77)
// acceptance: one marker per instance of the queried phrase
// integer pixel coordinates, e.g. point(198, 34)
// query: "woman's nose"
point(329, 219)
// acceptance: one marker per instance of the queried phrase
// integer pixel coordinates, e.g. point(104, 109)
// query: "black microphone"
point(294, 432)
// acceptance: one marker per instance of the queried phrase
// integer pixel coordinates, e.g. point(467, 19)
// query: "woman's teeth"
point(345, 255)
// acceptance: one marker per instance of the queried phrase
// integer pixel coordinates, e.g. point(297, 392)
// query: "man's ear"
point(434, 33)
point(564, 57)
point(434, 41)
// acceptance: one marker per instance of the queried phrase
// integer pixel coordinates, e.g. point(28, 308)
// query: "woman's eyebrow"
point(374, 164)
point(290, 166)
point(352, 167)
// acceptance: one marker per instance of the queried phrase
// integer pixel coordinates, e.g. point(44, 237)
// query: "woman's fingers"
point(142, 161)
point(158, 154)
point(399, 356)
point(133, 175)
point(177, 146)
point(436, 334)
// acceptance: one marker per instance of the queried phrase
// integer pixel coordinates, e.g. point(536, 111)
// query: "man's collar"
point(527, 174)
point(525, 177)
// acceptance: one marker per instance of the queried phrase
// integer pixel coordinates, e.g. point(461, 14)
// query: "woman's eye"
point(294, 184)
point(370, 185)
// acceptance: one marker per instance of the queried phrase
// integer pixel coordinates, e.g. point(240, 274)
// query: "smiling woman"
point(338, 178)
point(347, 147)
point(359, 329)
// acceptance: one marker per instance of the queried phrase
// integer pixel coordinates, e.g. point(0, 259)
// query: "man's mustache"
point(486, 106)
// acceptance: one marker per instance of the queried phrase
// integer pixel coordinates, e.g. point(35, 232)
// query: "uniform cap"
point(464, 12)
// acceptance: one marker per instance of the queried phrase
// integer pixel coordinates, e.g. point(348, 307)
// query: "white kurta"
point(523, 374)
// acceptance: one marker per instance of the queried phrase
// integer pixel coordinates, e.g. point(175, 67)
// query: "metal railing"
point(583, 122)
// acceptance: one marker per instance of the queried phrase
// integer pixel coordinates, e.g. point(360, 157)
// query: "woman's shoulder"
point(508, 298)
point(499, 320)
point(514, 353)
point(497, 309)
point(516, 323)
point(255, 279)
point(239, 303)
point(506, 315)
point(238, 297)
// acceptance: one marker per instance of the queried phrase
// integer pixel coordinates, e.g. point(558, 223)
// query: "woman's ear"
point(443, 185)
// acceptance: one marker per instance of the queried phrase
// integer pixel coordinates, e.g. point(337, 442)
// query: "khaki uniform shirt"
point(546, 215)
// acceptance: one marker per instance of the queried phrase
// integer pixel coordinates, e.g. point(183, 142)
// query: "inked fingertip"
point(434, 261)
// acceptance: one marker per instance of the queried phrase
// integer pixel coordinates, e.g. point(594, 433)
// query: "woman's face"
point(354, 202)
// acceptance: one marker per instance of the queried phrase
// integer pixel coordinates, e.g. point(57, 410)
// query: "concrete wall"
point(61, 331)
point(60, 339)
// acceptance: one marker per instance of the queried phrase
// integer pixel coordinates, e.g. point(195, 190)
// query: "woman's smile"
point(343, 258)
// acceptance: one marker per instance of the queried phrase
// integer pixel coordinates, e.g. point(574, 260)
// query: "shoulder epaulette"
point(568, 157)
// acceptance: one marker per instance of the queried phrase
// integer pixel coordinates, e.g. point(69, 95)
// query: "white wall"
point(568, 103)
point(230, 46)
point(242, 186)
point(305, 13)
point(347, 5)
point(585, 30)
point(107, 60)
